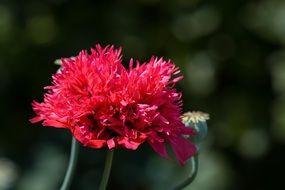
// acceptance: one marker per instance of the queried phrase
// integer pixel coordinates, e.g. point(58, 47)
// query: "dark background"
point(230, 51)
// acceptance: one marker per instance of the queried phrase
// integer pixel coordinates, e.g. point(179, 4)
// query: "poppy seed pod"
point(198, 121)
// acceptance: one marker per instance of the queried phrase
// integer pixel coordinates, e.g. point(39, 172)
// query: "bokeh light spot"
point(254, 143)
point(41, 29)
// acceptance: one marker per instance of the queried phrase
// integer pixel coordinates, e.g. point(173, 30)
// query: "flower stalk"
point(107, 170)
point(71, 166)
point(192, 175)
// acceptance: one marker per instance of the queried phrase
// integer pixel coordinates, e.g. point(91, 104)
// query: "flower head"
point(105, 105)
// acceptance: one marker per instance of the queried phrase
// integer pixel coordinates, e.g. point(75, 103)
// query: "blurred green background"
point(231, 53)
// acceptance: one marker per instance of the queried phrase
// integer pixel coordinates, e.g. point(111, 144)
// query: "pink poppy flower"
point(105, 105)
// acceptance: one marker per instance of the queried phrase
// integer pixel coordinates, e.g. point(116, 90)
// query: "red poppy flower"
point(105, 105)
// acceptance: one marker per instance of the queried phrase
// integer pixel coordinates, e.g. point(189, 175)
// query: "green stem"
point(71, 166)
point(107, 170)
point(193, 174)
